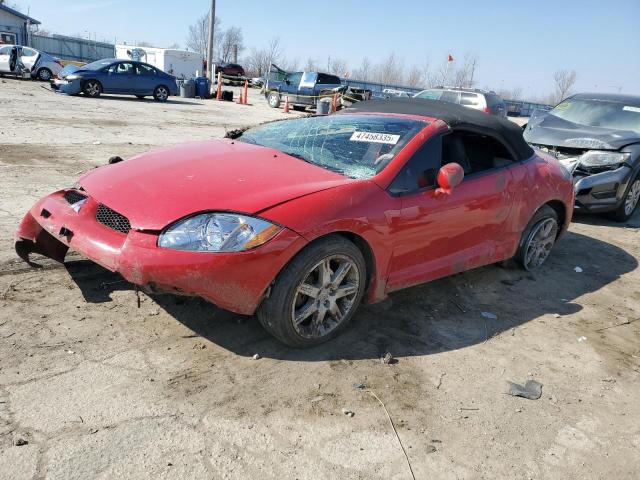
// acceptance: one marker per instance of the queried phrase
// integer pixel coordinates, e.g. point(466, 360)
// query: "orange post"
point(246, 92)
point(334, 103)
point(286, 104)
point(219, 91)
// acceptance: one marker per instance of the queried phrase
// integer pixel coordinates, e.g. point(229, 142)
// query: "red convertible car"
point(298, 221)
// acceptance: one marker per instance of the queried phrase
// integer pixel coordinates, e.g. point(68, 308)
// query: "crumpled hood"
point(157, 188)
point(554, 131)
point(68, 70)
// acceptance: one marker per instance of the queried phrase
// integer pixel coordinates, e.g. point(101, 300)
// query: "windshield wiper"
point(321, 165)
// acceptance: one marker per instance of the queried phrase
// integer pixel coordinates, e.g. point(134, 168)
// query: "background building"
point(15, 27)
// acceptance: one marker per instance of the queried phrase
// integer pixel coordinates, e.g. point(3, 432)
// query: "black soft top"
point(453, 115)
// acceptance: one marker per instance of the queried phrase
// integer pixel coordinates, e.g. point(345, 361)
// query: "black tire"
point(546, 217)
point(92, 88)
point(274, 99)
point(161, 93)
point(625, 211)
point(276, 313)
point(140, 97)
point(299, 108)
point(44, 74)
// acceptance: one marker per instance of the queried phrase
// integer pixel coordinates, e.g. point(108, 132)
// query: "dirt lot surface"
point(99, 388)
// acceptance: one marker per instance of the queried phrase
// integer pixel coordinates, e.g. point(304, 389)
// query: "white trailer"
point(180, 63)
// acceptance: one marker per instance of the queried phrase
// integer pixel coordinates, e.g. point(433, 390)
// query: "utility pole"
point(212, 22)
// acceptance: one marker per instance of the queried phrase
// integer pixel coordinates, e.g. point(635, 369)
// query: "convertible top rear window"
point(356, 146)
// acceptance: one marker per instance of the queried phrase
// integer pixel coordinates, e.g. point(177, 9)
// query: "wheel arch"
point(561, 210)
point(360, 242)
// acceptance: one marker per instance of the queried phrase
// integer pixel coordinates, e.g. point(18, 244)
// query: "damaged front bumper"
point(72, 87)
point(603, 191)
point(233, 281)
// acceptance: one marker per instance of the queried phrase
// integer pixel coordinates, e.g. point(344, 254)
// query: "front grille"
point(112, 219)
point(72, 196)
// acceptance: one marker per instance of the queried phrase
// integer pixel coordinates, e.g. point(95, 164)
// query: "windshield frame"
point(356, 168)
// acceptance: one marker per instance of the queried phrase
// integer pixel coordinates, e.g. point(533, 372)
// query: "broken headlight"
point(218, 232)
point(600, 158)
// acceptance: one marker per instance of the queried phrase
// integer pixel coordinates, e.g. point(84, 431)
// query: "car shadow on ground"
point(147, 99)
point(603, 220)
point(436, 317)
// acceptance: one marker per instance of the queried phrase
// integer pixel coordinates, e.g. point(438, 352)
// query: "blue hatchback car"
point(116, 76)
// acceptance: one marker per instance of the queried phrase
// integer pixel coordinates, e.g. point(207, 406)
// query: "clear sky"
point(519, 43)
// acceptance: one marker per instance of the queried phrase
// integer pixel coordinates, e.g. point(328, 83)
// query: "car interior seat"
point(453, 150)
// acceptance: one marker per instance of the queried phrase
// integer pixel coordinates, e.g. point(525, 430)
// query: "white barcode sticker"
point(375, 137)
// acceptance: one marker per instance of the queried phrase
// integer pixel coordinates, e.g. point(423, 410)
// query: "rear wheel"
point(538, 238)
point(44, 74)
point(161, 93)
point(274, 99)
point(92, 88)
point(630, 202)
point(316, 295)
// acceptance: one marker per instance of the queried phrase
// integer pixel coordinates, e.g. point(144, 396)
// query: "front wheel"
point(538, 238)
point(274, 99)
point(161, 93)
point(92, 88)
point(316, 295)
point(630, 202)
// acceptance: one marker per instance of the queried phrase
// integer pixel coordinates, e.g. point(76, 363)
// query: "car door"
point(290, 86)
point(28, 57)
point(121, 78)
point(305, 89)
point(5, 55)
point(439, 234)
point(146, 79)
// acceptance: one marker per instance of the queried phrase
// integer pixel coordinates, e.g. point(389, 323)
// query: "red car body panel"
point(406, 239)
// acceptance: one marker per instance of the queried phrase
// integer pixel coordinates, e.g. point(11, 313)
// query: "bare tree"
point(390, 71)
point(230, 38)
point(174, 46)
point(337, 66)
point(259, 60)
point(144, 44)
point(364, 71)
point(464, 75)
point(415, 77)
point(198, 35)
point(311, 65)
point(564, 80)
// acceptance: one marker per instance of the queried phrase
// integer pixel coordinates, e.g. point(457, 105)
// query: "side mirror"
point(288, 82)
point(449, 177)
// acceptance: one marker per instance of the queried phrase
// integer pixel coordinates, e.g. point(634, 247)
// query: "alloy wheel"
point(633, 196)
point(162, 94)
point(44, 75)
point(92, 89)
point(273, 100)
point(325, 296)
point(540, 242)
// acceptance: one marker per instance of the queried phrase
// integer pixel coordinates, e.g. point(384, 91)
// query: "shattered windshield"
point(356, 146)
point(600, 113)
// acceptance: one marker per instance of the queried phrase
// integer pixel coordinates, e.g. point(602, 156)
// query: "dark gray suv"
point(488, 102)
point(596, 137)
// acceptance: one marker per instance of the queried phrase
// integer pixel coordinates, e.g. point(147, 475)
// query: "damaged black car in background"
point(596, 137)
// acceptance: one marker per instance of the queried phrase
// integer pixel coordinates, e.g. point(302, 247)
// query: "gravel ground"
point(91, 386)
